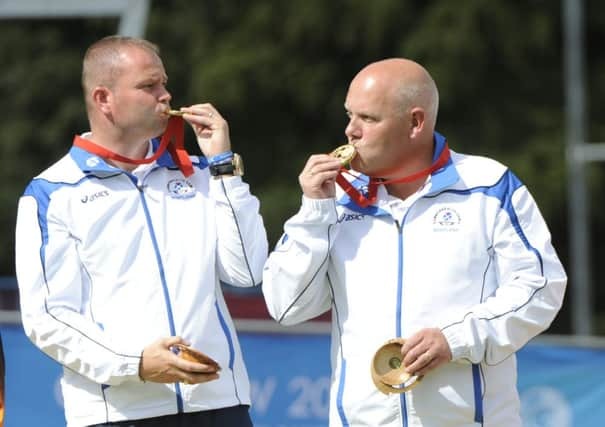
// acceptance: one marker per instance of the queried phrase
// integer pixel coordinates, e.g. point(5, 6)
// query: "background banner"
point(560, 385)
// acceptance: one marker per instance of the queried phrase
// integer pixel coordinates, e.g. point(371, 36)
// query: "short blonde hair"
point(101, 65)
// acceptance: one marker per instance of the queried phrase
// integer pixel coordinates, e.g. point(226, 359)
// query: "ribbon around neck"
point(172, 139)
point(365, 201)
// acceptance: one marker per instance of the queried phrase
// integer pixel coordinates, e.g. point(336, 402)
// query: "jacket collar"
point(91, 163)
point(439, 180)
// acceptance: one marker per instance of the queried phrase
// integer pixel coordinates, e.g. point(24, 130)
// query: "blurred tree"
point(279, 72)
point(42, 104)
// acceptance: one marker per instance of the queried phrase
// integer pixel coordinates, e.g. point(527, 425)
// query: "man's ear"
point(417, 122)
point(102, 98)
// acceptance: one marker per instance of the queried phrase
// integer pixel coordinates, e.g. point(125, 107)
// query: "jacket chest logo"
point(180, 189)
point(446, 220)
point(94, 196)
point(350, 217)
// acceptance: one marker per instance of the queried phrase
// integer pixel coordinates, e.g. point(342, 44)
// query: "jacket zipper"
point(160, 264)
point(398, 317)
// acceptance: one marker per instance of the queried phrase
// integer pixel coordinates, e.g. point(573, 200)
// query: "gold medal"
point(344, 153)
point(174, 112)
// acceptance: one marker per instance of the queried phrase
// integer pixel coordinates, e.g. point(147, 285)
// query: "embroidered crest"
point(180, 189)
point(446, 219)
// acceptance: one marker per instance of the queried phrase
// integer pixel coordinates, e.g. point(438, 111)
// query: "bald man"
point(415, 241)
point(121, 249)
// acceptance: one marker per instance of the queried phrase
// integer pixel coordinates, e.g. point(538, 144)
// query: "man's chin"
point(359, 166)
point(354, 164)
point(161, 129)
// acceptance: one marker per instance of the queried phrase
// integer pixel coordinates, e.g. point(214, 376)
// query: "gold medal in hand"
point(344, 153)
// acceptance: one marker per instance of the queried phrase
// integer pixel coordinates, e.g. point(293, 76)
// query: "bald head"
point(405, 82)
point(104, 61)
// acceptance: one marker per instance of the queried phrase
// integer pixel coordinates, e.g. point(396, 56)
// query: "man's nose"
point(352, 129)
point(165, 96)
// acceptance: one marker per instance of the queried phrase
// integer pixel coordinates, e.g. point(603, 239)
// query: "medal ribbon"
point(364, 201)
point(172, 139)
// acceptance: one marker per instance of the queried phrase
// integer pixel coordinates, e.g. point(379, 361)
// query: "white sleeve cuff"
point(460, 351)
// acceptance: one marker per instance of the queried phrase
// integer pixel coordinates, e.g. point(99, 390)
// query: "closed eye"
point(152, 84)
point(367, 118)
point(364, 117)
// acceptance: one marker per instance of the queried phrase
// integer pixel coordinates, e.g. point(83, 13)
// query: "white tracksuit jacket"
point(108, 262)
point(469, 253)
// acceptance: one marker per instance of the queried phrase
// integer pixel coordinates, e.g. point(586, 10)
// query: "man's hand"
point(159, 364)
point(318, 177)
point(424, 351)
point(210, 128)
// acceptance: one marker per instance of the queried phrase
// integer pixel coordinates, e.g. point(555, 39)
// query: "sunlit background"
point(519, 81)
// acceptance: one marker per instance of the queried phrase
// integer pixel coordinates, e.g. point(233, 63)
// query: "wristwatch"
point(234, 166)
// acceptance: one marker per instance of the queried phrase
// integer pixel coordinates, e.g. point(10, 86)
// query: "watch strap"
point(222, 169)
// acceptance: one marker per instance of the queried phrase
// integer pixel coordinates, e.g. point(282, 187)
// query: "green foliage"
point(42, 104)
point(279, 72)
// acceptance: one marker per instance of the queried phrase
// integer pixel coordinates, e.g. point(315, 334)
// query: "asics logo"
point(350, 217)
point(94, 196)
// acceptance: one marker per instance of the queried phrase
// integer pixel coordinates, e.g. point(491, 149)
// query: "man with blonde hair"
point(122, 248)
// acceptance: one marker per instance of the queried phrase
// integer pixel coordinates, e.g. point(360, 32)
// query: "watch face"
point(239, 164)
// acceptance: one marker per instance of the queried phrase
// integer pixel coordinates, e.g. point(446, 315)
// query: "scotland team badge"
point(180, 189)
